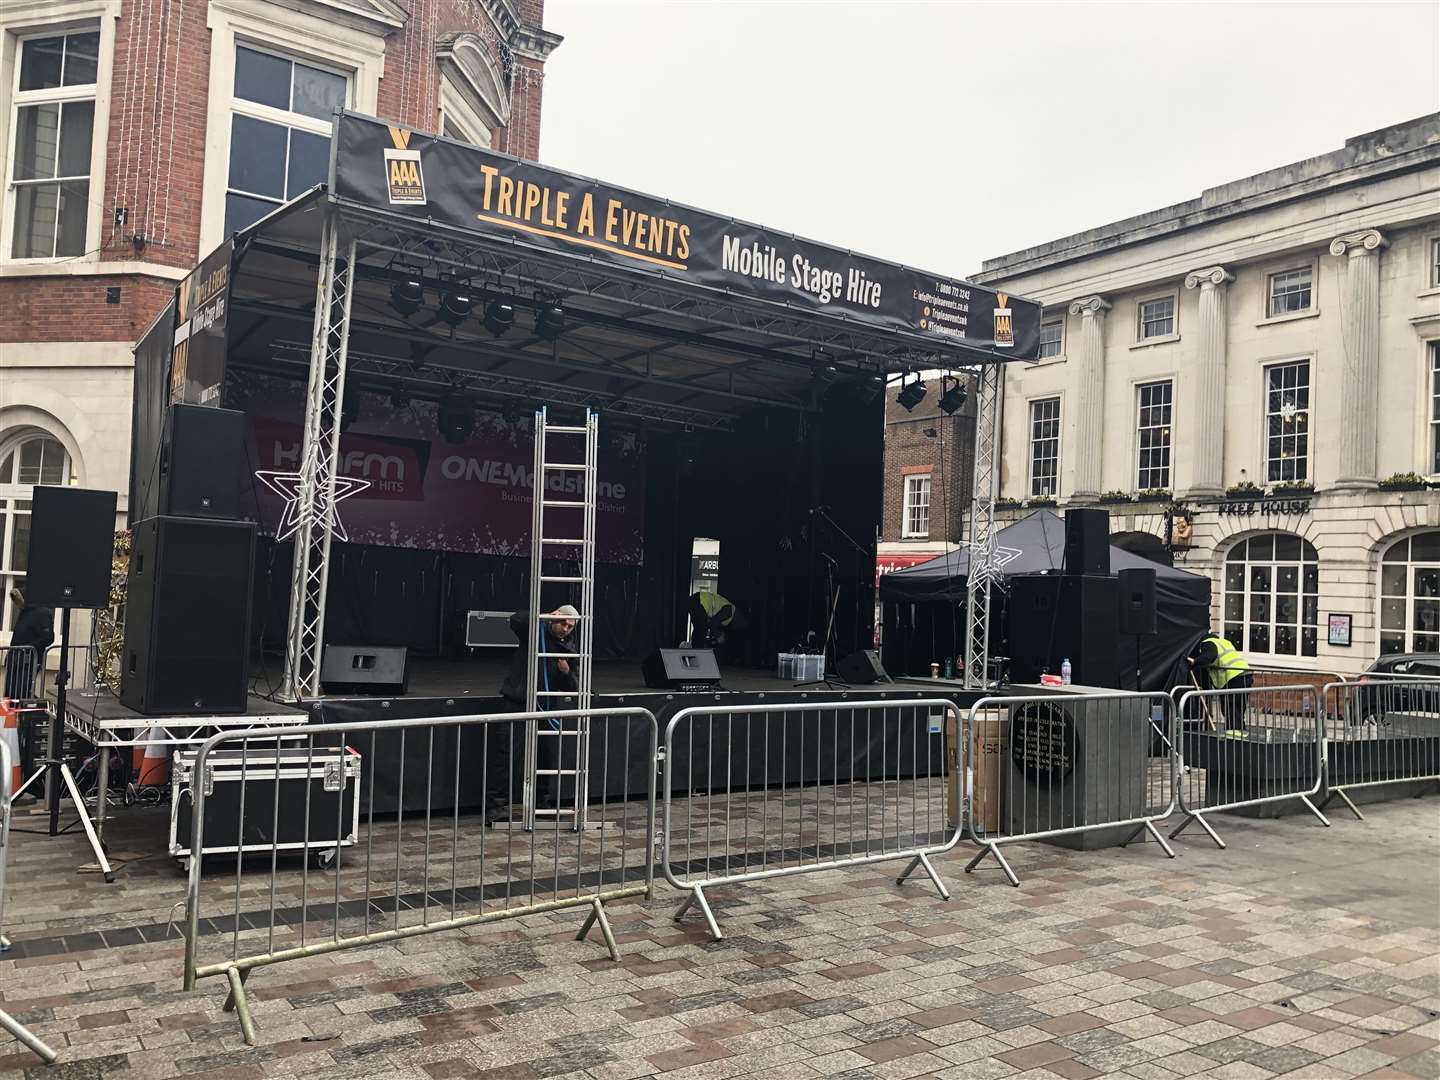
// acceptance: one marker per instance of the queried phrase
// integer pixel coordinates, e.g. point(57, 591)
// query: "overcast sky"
point(940, 134)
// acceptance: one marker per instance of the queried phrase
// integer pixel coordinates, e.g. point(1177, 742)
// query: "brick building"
point(139, 133)
point(929, 467)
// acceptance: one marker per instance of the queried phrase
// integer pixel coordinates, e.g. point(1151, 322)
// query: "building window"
point(1410, 595)
point(1435, 262)
point(54, 124)
point(36, 459)
point(916, 523)
point(1153, 435)
point(1287, 422)
point(1157, 317)
point(1044, 447)
point(1434, 353)
point(1052, 337)
point(279, 132)
point(1272, 586)
point(1289, 292)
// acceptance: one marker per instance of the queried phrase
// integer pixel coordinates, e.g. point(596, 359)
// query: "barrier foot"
point(597, 915)
point(1314, 810)
point(229, 1005)
point(697, 897)
point(1200, 820)
point(1334, 792)
point(14, 1027)
point(923, 860)
point(993, 849)
point(1154, 832)
point(242, 1004)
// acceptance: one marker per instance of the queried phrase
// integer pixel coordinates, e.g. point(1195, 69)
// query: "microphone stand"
point(861, 552)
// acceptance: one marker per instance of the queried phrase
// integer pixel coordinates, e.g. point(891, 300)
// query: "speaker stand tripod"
point(826, 667)
point(56, 768)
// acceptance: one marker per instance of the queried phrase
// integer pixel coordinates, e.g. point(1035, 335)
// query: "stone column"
point(1208, 471)
point(1089, 397)
point(1360, 356)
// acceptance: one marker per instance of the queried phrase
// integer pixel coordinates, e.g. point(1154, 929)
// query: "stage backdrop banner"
point(432, 178)
point(474, 497)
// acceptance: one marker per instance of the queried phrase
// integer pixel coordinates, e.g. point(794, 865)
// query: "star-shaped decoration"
point(288, 486)
point(988, 559)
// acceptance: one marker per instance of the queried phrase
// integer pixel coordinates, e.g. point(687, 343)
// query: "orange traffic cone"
point(10, 723)
point(151, 762)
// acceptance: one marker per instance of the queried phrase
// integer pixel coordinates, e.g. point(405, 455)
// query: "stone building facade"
point(139, 133)
point(1251, 380)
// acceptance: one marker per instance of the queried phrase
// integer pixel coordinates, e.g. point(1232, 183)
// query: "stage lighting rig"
point(549, 319)
point(953, 398)
point(872, 386)
point(399, 396)
point(407, 293)
point(822, 367)
point(911, 395)
point(457, 300)
point(455, 419)
point(499, 315)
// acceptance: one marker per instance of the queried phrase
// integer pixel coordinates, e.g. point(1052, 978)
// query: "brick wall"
point(948, 455)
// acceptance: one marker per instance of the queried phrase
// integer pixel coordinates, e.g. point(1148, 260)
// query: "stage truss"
point(984, 568)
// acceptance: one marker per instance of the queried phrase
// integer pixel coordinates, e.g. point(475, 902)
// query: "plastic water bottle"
point(949, 668)
point(1065, 672)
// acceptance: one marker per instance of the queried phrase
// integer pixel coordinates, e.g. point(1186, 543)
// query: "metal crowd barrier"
point(81, 664)
point(400, 855)
point(1247, 746)
point(776, 790)
point(8, 1022)
point(20, 673)
point(1092, 767)
point(1381, 731)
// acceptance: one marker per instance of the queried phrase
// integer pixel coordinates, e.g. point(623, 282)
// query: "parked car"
point(1390, 685)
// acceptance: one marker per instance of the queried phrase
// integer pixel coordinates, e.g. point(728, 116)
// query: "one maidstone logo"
point(404, 179)
point(1004, 323)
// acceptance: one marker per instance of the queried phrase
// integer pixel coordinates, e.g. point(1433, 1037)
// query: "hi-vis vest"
point(713, 603)
point(1228, 663)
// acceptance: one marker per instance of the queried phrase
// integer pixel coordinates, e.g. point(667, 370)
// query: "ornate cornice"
point(534, 43)
point(1089, 305)
point(1211, 275)
point(1366, 242)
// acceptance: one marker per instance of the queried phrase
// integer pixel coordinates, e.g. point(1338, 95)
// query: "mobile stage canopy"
point(919, 601)
point(402, 322)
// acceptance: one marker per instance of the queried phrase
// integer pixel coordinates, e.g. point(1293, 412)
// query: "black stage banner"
point(197, 370)
point(431, 178)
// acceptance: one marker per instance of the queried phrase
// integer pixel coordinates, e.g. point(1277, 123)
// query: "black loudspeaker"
point(365, 669)
point(1087, 541)
point(861, 667)
point(187, 617)
point(1137, 600)
point(1054, 617)
point(72, 540)
point(681, 669)
point(200, 464)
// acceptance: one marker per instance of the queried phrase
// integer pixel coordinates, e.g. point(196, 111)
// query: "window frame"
point(1246, 592)
point(1432, 388)
point(907, 531)
point(12, 490)
point(1432, 263)
point(26, 19)
point(1140, 387)
point(1269, 297)
point(1059, 354)
point(1265, 368)
point(1409, 598)
point(1030, 441)
point(1141, 340)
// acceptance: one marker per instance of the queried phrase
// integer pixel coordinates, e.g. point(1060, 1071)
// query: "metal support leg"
point(1155, 833)
point(697, 897)
point(993, 849)
point(1336, 793)
point(242, 1004)
point(597, 915)
point(229, 1005)
point(95, 845)
point(1199, 819)
point(102, 792)
point(923, 860)
point(1312, 808)
point(14, 1027)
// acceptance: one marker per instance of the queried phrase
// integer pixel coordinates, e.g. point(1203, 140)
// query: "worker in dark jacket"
point(35, 627)
point(552, 674)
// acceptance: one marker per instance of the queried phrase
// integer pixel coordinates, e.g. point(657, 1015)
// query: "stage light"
point(499, 315)
point(407, 294)
point(953, 398)
point(550, 320)
point(399, 397)
point(456, 302)
point(911, 395)
point(455, 420)
point(822, 368)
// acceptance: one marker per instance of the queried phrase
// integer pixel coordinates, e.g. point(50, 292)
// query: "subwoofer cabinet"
point(1054, 617)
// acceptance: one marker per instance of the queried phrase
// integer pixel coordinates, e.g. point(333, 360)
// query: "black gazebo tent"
point(924, 606)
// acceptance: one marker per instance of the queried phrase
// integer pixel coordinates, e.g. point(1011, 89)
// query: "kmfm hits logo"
point(1004, 323)
point(404, 179)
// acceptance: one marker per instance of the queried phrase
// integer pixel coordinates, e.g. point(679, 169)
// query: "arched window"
point(1272, 586)
point(34, 458)
point(1410, 594)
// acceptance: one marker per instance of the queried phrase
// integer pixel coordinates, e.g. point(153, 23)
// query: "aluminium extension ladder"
point(572, 737)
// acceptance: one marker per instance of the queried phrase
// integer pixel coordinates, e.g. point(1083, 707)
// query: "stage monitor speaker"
point(1137, 600)
point(72, 540)
point(862, 668)
point(1053, 617)
point(187, 617)
point(681, 669)
point(365, 669)
point(200, 464)
point(1087, 541)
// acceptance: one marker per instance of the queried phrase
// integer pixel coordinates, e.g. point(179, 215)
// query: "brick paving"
point(1299, 951)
